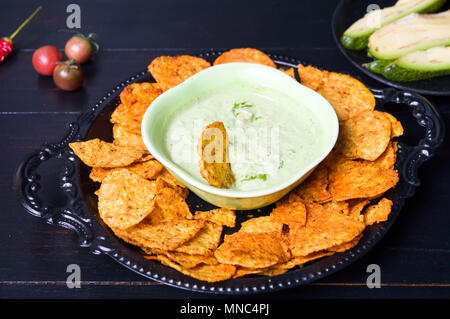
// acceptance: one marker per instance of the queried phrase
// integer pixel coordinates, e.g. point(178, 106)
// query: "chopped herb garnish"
point(292, 150)
point(281, 164)
point(238, 106)
point(259, 176)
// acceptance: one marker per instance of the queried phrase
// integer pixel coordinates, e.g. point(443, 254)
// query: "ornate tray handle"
point(426, 116)
point(28, 185)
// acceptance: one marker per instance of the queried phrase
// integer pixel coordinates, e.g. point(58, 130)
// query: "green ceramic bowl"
point(222, 75)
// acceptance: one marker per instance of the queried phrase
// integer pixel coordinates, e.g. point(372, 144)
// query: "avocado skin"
point(358, 43)
point(377, 66)
point(434, 7)
point(402, 74)
point(355, 43)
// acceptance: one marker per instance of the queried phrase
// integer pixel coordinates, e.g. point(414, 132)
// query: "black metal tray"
point(76, 207)
point(347, 12)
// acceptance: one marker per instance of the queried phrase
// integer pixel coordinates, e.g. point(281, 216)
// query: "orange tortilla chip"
point(253, 250)
point(205, 242)
point(356, 206)
point(347, 95)
point(210, 273)
point(190, 261)
point(243, 271)
point(365, 135)
point(315, 188)
point(263, 224)
point(299, 261)
point(311, 77)
point(378, 213)
point(149, 170)
point(172, 205)
point(97, 153)
point(130, 115)
point(324, 228)
point(341, 207)
point(124, 138)
point(354, 179)
point(388, 158)
point(139, 92)
point(212, 151)
point(292, 213)
point(125, 199)
point(248, 55)
point(219, 216)
point(397, 128)
point(290, 198)
point(169, 71)
point(165, 236)
point(346, 246)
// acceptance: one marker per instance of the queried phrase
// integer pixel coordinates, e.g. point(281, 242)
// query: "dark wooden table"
point(414, 257)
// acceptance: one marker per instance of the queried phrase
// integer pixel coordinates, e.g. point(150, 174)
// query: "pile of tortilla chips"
point(145, 205)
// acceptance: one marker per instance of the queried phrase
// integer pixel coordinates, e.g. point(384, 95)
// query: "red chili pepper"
point(6, 48)
point(7, 44)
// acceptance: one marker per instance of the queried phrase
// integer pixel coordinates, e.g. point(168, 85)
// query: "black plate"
point(78, 210)
point(347, 12)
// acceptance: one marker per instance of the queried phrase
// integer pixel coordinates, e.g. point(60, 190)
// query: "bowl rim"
point(230, 193)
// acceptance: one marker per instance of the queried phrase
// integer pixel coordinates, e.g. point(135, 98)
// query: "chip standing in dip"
point(268, 140)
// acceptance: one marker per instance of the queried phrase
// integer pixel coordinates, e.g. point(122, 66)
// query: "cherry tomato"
point(45, 58)
point(68, 75)
point(81, 48)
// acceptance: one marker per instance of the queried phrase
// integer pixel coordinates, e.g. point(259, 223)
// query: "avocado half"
point(412, 33)
point(357, 35)
point(419, 65)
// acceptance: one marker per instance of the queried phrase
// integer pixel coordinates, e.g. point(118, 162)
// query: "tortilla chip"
point(355, 206)
point(97, 153)
point(272, 271)
point(388, 158)
point(292, 213)
point(205, 242)
point(124, 138)
point(378, 213)
point(212, 151)
point(130, 115)
point(290, 198)
point(324, 228)
point(210, 273)
point(263, 224)
point(299, 261)
point(172, 205)
point(248, 55)
point(165, 236)
point(365, 135)
point(148, 170)
point(139, 92)
point(169, 71)
point(341, 207)
point(253, 250)
point(397, 128)
point(347, 95)
point(346, 246)
point(243, 271)
point(315, 188)
point(355, 179)
point(190, 261)
point(219, 216)
point(311, 77)
point(125, 199)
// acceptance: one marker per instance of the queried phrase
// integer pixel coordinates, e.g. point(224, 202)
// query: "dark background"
point(414, 256)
